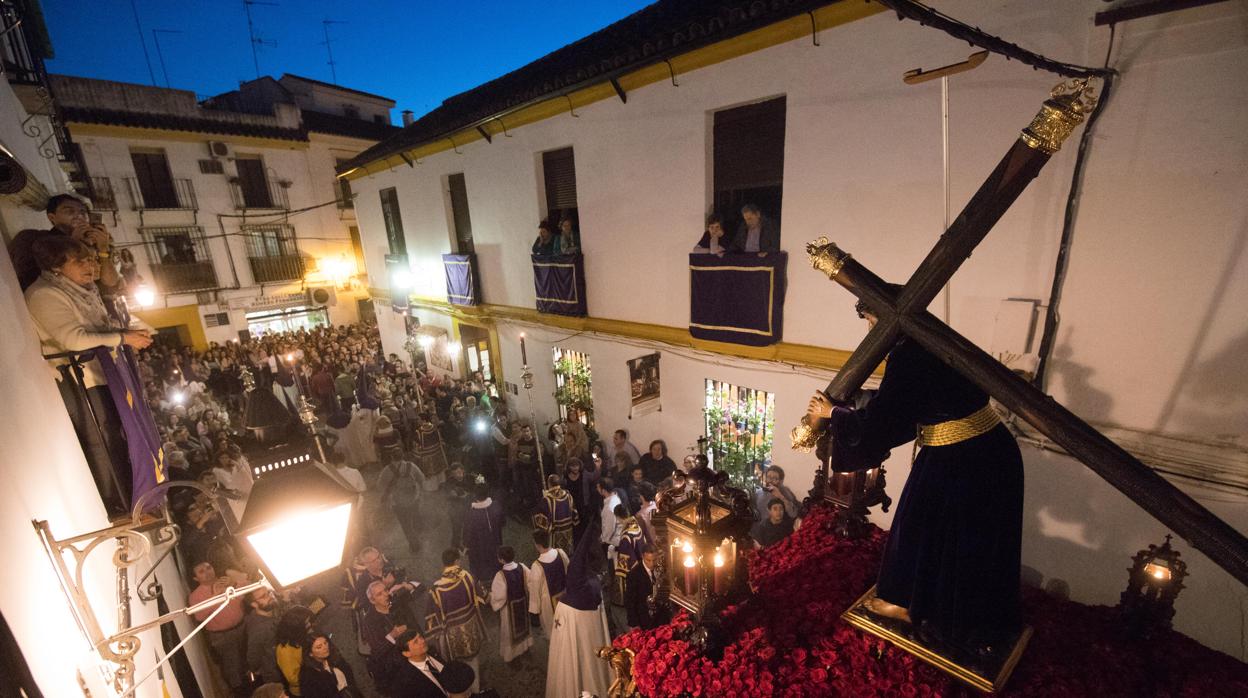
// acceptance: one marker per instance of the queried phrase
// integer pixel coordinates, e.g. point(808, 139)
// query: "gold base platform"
point(988, 678)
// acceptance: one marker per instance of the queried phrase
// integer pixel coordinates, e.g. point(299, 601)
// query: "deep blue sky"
point(415, 52)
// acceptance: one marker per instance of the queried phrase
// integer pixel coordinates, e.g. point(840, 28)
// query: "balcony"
point(559, 283)
point(463, 281)
point(266, 270)
point(737, 298)
point(262, 196)
point(21, 61)
point(184, 277)
point(102, 196)
point(169, 195)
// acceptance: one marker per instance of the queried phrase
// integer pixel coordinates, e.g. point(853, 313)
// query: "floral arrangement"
point(788, 640)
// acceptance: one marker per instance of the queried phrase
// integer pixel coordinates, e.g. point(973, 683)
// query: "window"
point(573, 385)
point(393, 220)
point(179, 258)
point(343, 185)
point(273, 253)
point(253, 183)
point(461, 222)
point(748, 154)
point(212, 166)
point(379, 119)
point(559, 174)
point(740, 423)
point(350, 111)
point(154, 180)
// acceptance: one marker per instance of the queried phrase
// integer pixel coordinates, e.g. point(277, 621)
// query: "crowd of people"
point(423, 441)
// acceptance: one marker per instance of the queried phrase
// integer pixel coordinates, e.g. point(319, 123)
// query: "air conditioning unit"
point(218, 149)
point(323, 297)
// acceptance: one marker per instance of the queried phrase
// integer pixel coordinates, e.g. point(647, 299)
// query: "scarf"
point(86, 300)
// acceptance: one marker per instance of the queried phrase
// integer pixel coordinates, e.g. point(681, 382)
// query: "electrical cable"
point(1051, 316)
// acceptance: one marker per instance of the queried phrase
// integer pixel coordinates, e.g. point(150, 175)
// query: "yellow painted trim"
point(178, 315)
point(798, 27)
point(805, 355)
point(79, 130)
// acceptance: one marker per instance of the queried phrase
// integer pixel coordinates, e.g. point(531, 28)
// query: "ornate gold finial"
point(621, 661)
point(1065, 109)
point(826, 256)
point(804, 436)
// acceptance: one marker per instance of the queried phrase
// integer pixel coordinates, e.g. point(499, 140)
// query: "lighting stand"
point(307, 415)
point(133, 544)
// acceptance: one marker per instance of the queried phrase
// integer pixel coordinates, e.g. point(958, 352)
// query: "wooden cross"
point(905, 312)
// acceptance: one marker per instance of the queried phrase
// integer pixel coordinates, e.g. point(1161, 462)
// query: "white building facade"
point(229, 209)
point(1151, 338)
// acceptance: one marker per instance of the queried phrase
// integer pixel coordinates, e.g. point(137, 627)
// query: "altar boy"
point(509, 596)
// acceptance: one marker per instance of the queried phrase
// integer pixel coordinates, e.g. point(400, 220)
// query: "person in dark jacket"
point(324, 673)
point(757, 233)
point(637, 589)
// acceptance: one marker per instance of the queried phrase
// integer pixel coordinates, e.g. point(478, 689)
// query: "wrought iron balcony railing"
point(270, 196)
point(170, 195)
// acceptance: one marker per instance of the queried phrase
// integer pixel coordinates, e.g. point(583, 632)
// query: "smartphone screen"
point(95, 217)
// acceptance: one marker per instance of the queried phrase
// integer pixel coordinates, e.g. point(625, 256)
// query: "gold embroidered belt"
point(958, 430)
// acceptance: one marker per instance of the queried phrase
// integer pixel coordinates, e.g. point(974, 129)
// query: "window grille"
point(740, 426)
point(573, 384)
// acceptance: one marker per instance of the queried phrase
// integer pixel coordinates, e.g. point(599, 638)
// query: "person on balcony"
point(71, 219)
point(757, 233)
point(569, 241)
point(546, 242)
point(71, 316)
point(713, 240)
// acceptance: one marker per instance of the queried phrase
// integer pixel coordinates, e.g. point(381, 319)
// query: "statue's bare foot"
point(880, 607)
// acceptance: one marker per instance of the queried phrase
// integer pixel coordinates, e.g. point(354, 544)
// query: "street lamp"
point(295, 521)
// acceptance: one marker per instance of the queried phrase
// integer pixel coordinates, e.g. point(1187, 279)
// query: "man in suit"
point(417, 674)
point(637, 589)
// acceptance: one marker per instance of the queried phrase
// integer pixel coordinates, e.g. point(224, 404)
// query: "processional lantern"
point(702, 530)
point(850, 480)
point(1155, 580)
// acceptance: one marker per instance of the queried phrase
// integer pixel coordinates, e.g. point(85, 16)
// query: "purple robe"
point(556, 576)
point(454, 615)
point(483, 534)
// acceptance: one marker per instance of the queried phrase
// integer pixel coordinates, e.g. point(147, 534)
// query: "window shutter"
point(459, 212)
point(393, 221)
point(749, 146)
point(559, 169)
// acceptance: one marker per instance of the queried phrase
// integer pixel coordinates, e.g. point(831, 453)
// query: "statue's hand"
point(819, 407)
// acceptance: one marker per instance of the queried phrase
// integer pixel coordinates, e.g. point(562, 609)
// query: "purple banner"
point(147, 460)
point(559, 281)
point(737, 298)
point(461, 279)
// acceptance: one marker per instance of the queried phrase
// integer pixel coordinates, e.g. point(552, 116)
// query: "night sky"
point(417, 53)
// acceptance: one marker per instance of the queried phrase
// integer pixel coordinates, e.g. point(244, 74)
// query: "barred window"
point(740, 425)
point(273, 252)
point(179, 258)
point(573, 384)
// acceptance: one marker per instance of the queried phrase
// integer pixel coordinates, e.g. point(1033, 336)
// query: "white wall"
point(1153, 334)
point(46, 478)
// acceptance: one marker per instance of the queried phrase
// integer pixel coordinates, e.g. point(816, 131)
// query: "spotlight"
point(179, 398)
point(145, 296)
point(482, 426)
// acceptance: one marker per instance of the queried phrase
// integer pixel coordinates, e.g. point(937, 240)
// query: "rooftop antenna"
point(251, 32)
point(329, 49)
point(146, 56)
point(161, 54)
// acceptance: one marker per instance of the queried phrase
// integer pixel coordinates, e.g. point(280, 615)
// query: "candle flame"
point(688, 561)
point(688, 548)
point(719, 560)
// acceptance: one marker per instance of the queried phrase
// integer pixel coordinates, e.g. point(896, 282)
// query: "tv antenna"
point(328, 48)
point(251, 32)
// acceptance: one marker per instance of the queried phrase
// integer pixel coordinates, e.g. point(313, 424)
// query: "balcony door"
point(253, 182)
point(151, 170)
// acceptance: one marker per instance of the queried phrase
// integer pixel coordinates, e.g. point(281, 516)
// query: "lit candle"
point(720, 577)
point(524, 353)
point(1157, 572)
point(687, 548)
point(691, 577)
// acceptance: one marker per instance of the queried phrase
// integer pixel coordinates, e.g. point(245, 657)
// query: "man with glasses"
point(69, 216)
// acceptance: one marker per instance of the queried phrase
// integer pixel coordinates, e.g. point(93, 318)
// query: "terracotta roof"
point(331, 85)
point(171, 122)
point(320, 122)
point(663, 30)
